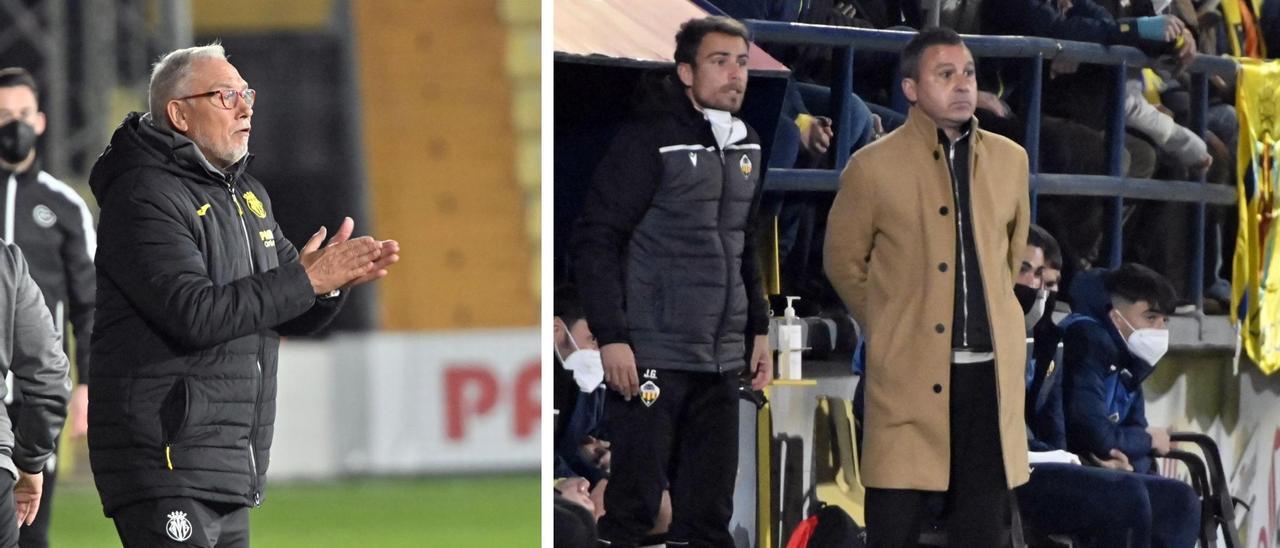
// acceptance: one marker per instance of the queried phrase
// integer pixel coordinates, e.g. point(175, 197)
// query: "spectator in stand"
point(1111, 343)
point(1078, 93)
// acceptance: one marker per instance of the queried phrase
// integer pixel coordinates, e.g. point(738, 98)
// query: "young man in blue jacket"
point(1111, 343)
point(1095, 506)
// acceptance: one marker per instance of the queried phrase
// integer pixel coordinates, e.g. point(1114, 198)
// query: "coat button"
point(943, 210)
point(937, 389)
point(937, 155)
point(939, 328)
point(942, 267)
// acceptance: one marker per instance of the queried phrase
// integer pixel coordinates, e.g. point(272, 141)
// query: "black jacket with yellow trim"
point(196, 285)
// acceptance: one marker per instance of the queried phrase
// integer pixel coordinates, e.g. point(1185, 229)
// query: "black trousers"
point(8, 511)
point(183, 522)
point(975, 506)
point(685, 435)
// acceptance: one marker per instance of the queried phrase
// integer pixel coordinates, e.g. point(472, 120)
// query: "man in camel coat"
point(923, 242)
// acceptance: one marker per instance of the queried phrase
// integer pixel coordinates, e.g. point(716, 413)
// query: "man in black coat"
point(665, 259)
point(196, 285)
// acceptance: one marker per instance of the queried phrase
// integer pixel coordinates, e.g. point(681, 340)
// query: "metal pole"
point(175, 25)
point(1199, 124)
point(56, 156)
point(1115, 160)
point(841, 87)
point(1032, 138)
point(934, 9)
point(98, 67)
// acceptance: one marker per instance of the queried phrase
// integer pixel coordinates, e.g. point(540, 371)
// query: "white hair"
point(169, 78)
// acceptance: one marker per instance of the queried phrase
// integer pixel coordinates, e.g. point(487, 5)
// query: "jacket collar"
point(184, 151)
point(926, 131)
point(27, 176)
point(690, 115)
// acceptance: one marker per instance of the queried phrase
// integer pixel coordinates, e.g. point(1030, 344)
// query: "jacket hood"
point(138, 144)
point(1089, 295)
point(1090, 298)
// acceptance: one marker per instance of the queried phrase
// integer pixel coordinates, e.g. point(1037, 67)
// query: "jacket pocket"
point(174, 414)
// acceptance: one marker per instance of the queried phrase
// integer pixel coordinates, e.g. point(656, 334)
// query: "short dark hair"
point(1039, 237)
point(692, 31)
point(1132, 282)
point(567, 305)
point(909, 65)
point(17, 76)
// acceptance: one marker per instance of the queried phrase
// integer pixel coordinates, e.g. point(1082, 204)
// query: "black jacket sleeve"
point(39, 370)
point(321, 313)
point(77, 259)
point(1088, 353)
point(757, 304)
point(149, 250)
point(621, 191)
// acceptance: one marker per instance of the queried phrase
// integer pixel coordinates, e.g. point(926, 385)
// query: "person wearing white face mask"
point(582, 454)
point(577, 376)
point(1111, 343)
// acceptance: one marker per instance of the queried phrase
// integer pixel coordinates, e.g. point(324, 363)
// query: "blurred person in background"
point(197, 283)
point(665, 258)
point(31, 349)
point(53, 226)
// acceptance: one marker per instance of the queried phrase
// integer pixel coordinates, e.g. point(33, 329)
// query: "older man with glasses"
point(196, 285)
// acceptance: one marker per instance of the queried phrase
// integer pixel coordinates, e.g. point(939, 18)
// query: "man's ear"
point(39, 123)
point(558, 333)
point(177, 118)
point(909, 90)
point(685, 72)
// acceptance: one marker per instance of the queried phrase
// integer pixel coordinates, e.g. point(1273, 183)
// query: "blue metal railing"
point(1035, 51)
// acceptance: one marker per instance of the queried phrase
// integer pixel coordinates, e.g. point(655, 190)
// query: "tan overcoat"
point(889, 235)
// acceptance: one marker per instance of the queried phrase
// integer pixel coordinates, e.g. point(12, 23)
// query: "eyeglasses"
point(228, 98)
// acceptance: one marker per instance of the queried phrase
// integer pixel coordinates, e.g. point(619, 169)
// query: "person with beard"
point(664, 254)
point(52, 224)
point(1111, 343)
point(197, 284)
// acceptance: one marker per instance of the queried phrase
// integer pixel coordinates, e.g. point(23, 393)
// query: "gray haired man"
point(197, 284)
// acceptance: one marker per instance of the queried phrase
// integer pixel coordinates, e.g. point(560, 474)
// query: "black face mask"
point(1026, 297)
point(16, 141)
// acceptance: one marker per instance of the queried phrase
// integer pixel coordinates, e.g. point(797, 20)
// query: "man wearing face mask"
point(665, 256)
point(1061, 497)
point(1044, 394)
point(578, 383)
point(1111, 343)
point(53, 226)
point(1096, 506)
